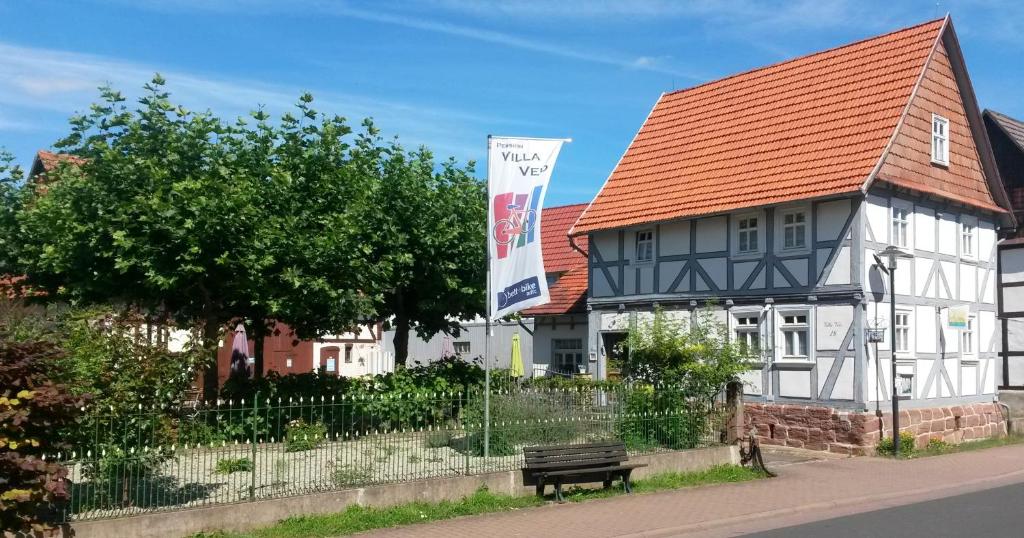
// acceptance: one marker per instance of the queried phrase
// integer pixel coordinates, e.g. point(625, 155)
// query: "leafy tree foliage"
point(180, 213)
point(428, 222)
point(10, 183)
point(32, 407)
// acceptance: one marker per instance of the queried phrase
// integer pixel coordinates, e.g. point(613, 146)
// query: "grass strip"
point(359, 518)
point(936, 449)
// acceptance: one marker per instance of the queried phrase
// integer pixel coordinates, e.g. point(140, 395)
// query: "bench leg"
point(626, 483)
point(558, 490)
point(540, 487)
point(608, 483)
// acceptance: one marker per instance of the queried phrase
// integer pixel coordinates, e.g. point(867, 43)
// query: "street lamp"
point(891, 254)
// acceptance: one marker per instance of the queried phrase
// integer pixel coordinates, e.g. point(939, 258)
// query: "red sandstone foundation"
point(858, 432)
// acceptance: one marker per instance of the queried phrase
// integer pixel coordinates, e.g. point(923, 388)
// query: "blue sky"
point(447, 73)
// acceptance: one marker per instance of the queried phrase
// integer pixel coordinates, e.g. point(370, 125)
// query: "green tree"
point(10, 192)
point(180, 214)
point(428, 225)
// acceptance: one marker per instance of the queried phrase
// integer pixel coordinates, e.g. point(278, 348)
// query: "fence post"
point(465, 430)
point(734, 404)
point(252, 478)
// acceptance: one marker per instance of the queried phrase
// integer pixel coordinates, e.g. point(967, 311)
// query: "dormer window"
point(940, 140)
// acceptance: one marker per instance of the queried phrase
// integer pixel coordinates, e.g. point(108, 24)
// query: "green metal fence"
point(125, 463)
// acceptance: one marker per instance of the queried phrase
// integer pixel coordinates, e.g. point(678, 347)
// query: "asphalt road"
point(990, 513)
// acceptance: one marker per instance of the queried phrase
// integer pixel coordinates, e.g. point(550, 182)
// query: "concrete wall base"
point(247, 516)
point(857, 432)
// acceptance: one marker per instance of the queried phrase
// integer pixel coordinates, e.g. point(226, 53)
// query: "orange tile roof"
point(809, 127)
point(559, 256)
point(50, 160)
point(568, 295)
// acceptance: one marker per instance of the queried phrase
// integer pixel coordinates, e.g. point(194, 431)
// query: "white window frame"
point(968, 231)
point(940, 140)
point(647, 244)
point(782, 328)
point(756, 230)
point(968, 338)
point(743, 330)
point(467, 343)
point(909, 328)
point(907, 222)
point(783, 226)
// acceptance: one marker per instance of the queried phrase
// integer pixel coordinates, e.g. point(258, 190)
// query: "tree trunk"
point(211, 335)
point(259, 337)
point(401, 340)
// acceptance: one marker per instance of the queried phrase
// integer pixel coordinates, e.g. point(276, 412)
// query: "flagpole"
point(487, 316)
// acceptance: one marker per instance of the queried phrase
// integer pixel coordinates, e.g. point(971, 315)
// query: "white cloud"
point(416, 17)
point(35, 79)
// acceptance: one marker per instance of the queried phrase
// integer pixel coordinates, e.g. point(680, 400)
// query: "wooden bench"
point(577, 464)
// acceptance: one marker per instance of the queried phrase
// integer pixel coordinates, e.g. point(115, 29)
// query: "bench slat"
point(620, 455)
point(570, 472)
point(548, 448)
point(575, 463)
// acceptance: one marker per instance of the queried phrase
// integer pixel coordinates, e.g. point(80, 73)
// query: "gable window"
point(794, 230)
point(795, 335)
point(645, 246)
point(900, 225)
point(967, 337)
point(967, 240)
point(940, 140)
point(747, 235)
point(348, 353)
point(748, 334)
point(902, 332)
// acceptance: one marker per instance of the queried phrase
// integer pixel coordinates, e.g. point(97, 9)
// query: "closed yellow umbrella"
point(517, 369)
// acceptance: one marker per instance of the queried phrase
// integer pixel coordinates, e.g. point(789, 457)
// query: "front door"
point(614, 351)
point(329, 360)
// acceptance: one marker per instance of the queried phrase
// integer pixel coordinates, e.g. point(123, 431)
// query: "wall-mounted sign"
point(958, 316)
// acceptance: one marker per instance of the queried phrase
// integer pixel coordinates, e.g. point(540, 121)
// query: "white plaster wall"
point(608, 244)
point(675, 238)
point(795, 383)
point(925, 334)
point(924, 229)
point(832, 323)
point(948, 228)
point(840, 273)
point(711, 234)
point(877, 213)
point(831, 217)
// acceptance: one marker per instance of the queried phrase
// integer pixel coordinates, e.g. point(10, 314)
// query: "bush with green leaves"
point(651, 417)
point(885, 446)
point(32, 407)
point(519, 418)
point(301, 436)
point(233, 465)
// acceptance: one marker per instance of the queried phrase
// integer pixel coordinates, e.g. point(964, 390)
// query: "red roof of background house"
point(806, 128)
point(559, 256)
point(50, 160)
point(568, 295)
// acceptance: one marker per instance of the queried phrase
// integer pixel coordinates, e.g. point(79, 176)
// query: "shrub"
point(351, 475)
point(437, 439)
point(936, 444)
point(233, 465)
point(666, 417)
point(301, 436)
point(885, 447)
point(32, 406)
point(518, 419)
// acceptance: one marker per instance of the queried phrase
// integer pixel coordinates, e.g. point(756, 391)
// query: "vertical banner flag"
point(518, 172)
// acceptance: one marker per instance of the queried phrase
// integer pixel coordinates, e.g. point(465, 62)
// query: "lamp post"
point(891, 254)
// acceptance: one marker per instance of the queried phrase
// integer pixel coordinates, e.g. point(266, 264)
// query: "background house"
point(767, 193)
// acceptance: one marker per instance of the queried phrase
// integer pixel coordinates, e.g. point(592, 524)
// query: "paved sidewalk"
point(804, 491)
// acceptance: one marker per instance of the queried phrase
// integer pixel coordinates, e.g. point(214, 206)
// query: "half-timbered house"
point(767, 193)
